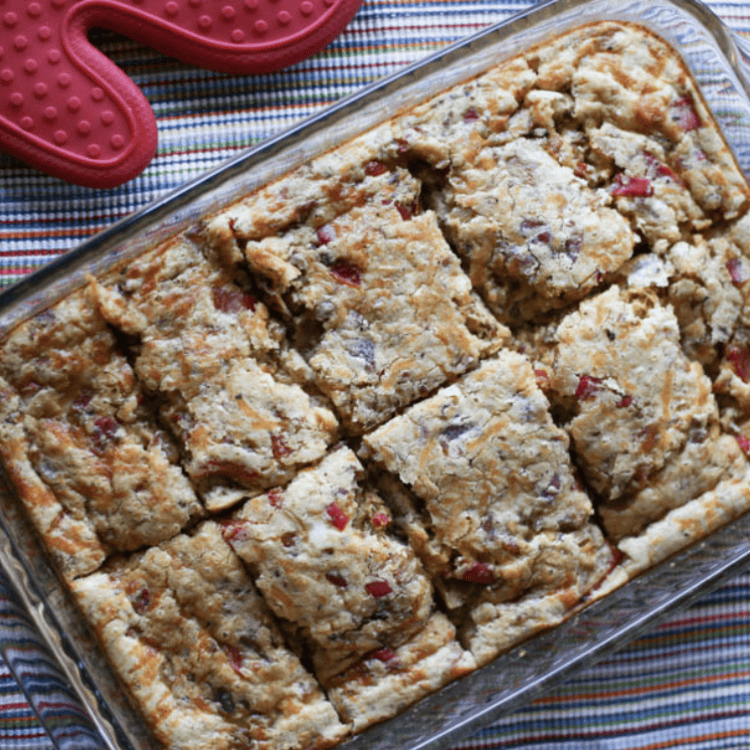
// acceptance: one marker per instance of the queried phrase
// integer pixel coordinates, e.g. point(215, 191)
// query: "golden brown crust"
point(387, 680)
point(205, 348)
point(194, 642)
point(385, 312)
point(498, 501)
point(324, 554)
point(96, 472)
point(535, 235)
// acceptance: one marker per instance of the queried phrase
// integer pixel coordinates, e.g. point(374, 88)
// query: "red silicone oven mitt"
point(69, 111)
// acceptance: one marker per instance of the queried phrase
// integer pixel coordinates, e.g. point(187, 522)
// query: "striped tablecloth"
point(687, 684)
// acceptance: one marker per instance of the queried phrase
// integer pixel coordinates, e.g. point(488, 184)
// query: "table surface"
point(687, 684)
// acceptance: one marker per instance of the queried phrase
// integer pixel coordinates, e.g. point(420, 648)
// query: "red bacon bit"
point(104, 431)
point(632, 187)
point(142, 601)
point(684, 114)
point(659, 169)
point(617, 556)
point(378, 588)
point(662, 170)
point(471, 115)
point(326, 234)
point(624, 402)
point(407, 212)
point(375, 168)
point(380, 520)
point(346, 273)
point(478, 573)
point(404, 211)
point(588, 387)
point(536, 229)
point(337, 580)
point(338, 518)
point(744, 443)
point(107, 426)
point(740, 361)
point(232, 300)
point(581, 170)
point(542, 379)
point(275, 498)
point(236, 658)
point(384, 654)
point(279, 446)
point(234, 531)
point(737, 271)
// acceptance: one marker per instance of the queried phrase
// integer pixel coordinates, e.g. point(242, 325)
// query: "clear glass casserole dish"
point(717, 63)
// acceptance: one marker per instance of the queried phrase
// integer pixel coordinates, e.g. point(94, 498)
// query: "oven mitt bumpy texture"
point(68, 110)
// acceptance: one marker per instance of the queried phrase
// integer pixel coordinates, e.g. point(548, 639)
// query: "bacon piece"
point(684, 114)
point(479, 573)
point(378, 588)
point(347, 273)
point(338, 518)
point(588, 386)
point(632, 187)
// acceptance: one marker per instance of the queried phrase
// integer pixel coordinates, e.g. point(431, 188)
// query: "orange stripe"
point(660, 687)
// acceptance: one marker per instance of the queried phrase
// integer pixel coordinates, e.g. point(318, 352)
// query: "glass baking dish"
point(721, 67)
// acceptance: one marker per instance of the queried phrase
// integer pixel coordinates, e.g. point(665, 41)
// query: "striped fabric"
point(687, 684)
point(18, 725)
